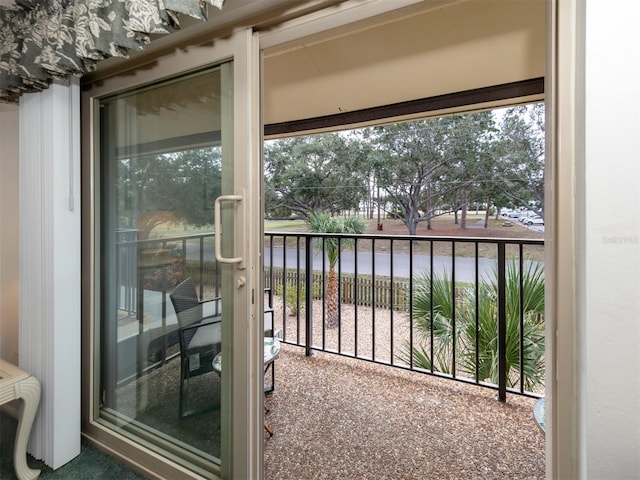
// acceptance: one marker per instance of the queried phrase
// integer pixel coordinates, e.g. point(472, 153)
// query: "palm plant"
point(433, 315)
point(324, 223)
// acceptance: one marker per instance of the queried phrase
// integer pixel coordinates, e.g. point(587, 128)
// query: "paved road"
point(464, 266)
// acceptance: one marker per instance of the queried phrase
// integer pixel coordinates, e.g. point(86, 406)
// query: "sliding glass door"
point(174, 266)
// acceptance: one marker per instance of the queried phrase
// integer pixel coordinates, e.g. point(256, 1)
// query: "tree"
point(423, 164)
point(183, 183)
point(409, 159)
point(521, 152)
point(314, 173)
point(322, 222)
point(471, 143)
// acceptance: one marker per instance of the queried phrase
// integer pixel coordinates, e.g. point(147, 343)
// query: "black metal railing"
point(455, 307)
point(487, 328)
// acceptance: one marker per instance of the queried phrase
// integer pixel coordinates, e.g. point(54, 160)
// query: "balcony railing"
point(462, 308)
point(468, 309)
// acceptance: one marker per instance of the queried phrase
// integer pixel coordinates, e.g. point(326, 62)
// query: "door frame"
point(563, 60)
point(242, 430)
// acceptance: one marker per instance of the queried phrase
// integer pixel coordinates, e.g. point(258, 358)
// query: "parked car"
point(534, 221)
point(526, 214)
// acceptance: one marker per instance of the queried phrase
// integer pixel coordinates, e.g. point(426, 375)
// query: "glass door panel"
point(166, 156)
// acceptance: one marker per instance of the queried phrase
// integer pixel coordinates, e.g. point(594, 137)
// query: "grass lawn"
point(442, 226)
point(285, 226)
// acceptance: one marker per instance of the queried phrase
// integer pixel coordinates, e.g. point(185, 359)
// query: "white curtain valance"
point(40, 40)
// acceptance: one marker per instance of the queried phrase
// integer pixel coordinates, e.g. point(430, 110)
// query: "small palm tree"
point(434, 300)
point(324, 223)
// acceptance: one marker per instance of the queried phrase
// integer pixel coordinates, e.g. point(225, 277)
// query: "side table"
point(539, 413)
point(271, 352)
point(16, 384)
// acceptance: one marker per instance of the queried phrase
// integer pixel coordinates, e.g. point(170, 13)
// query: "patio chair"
point(269, 331)
point(200, 339)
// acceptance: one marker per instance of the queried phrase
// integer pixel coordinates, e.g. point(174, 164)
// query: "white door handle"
point(217, 225)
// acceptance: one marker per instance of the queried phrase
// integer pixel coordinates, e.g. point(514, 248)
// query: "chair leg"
point(266, 426)
point(183, 393)
point(272, 387)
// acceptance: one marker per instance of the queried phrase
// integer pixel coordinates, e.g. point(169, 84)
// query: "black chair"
point(200, 339)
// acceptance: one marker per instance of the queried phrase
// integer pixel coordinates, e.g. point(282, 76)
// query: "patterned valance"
point(43, 39)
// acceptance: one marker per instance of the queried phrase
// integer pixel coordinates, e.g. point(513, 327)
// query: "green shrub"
point(291, 300)
point(433, 317)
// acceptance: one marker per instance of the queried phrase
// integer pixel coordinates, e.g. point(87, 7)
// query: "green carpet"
point(91, 464)
point(153, 401)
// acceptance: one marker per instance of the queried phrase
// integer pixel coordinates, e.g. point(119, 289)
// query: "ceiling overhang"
point(370, 70)
point(384, 61)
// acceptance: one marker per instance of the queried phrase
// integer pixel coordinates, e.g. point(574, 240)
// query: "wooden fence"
point(363, 290)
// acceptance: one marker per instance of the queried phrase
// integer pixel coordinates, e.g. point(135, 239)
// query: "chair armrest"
point(207, 309)
point(182, 331)
point(268, 322)
point(211, 319)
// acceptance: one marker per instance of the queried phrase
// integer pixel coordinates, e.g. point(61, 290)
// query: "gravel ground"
point(340, 418)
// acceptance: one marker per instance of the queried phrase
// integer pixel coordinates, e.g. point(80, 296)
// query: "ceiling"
point(429, 49)
point(455, 47)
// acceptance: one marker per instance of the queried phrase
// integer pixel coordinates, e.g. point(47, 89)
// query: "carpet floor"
point(91, 464)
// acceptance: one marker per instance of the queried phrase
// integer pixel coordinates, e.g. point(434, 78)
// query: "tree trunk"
point(486, 213)
point(429, 212)
point(463, 215)
point(331, 320)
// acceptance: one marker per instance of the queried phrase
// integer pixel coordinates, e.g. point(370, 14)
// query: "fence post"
point(502, 325)
point(308, 310)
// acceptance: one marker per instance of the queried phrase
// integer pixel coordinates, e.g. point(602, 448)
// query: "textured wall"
point(610, 325)
point(9, 234)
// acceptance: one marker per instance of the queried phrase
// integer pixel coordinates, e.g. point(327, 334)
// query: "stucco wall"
point(610, 322)
point(9, 236)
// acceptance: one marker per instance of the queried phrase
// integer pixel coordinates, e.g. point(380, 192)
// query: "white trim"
point(564, 240)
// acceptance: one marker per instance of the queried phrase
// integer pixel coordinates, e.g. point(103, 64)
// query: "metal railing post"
point(502, 324)
point(308, 310)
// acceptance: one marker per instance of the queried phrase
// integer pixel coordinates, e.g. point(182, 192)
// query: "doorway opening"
point(417, 288)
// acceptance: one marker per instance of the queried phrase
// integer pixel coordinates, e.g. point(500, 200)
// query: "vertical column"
point(50, 265)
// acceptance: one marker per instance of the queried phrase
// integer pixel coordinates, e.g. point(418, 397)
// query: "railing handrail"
point(177, 238)
point(363, 236)
point(395, 237)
